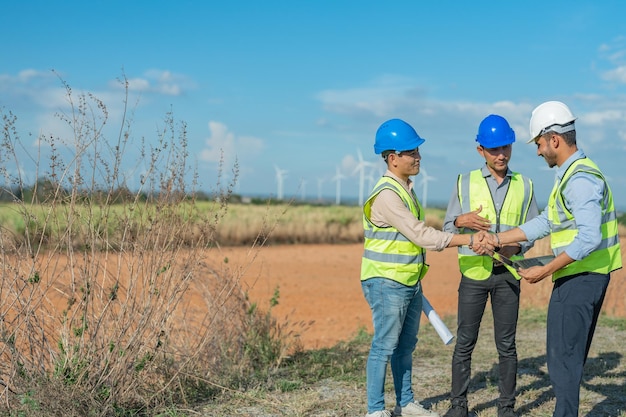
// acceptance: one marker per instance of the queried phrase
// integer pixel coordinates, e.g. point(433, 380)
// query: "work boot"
point(506, 412)
point(456, 411)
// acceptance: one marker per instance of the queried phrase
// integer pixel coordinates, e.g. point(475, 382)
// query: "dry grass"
point(298, 224)
point(340, 392)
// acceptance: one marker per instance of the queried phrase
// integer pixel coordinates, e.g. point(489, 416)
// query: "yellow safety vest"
point(388, 253)
point(474, 192)
point(606, 257)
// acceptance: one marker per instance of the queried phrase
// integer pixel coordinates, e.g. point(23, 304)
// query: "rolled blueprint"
point(435, 320)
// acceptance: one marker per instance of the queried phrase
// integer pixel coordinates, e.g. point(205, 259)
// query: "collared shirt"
point(388, 209)
point(582, 195)
point(498, 193)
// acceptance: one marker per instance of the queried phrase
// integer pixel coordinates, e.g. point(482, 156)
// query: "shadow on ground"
point(601, 383)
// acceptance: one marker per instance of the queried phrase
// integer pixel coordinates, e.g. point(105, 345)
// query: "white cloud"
point(618, 75)
point(348, 164)
point(52, 98)
point(25, 83)
point(159, 82)
point(223, 145)
point(383, 96)
point(30, 74)
point(601, 118)
point(614, 52)
point(621, 134)
point(137, 84)
point(408, 99)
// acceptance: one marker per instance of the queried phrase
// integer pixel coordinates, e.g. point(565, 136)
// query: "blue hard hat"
point(396, 135)
point(494, 131)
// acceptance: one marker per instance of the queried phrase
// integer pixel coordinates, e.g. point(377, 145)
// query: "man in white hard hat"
point(581, 221)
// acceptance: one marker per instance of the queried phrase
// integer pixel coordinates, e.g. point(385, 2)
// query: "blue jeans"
point(396, 311)
point(572, 316)
point(504, 291)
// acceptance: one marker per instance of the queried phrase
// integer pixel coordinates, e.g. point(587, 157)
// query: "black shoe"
point(506, 412)
point(457, 411)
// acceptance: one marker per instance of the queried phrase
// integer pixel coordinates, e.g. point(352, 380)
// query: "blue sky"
point(303, 86)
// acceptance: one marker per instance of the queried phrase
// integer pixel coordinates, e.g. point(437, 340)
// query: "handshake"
point(484, 242)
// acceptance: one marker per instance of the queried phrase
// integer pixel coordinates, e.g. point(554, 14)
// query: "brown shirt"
point(388, 209)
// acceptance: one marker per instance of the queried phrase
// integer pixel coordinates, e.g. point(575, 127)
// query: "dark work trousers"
point(573, 312)
point(504, 291)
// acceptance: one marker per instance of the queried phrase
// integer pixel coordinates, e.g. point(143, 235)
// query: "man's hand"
point(534, 274)
point(484, 243)
point(472, 220)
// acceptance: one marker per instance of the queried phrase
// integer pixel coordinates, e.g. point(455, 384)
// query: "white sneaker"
point(413, 409)
point(384, 413)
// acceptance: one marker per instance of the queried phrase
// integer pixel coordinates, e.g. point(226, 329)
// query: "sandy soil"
point(320, 284)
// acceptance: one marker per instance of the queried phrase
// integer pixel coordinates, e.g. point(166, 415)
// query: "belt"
point(499, 269)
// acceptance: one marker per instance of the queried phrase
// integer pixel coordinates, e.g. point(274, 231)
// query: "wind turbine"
point(371, 180)
point(337, 178)
point(320, 181)
point(280, 177)
point(18, 175)
point(303, 190)
point(424, 182)
point(360, 168)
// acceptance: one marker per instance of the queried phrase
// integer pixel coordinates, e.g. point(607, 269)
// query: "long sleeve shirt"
point(388, 209)
point(582, 195)
point(498, 193)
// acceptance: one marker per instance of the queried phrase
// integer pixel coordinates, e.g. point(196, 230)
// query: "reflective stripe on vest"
point(474, 192)
point(606, 257)
point(388, 253)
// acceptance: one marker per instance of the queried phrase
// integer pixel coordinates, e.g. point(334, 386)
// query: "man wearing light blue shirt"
point(584, 192)
point(582, 223)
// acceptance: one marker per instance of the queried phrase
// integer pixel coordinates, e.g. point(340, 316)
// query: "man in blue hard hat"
point(393, 266)
point(492, 198)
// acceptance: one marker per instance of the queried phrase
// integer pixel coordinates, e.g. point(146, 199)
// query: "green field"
point(234, 224)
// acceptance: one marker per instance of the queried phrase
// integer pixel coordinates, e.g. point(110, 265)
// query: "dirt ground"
point(320, 284)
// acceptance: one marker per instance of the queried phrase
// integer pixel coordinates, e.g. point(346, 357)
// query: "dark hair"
point(386, 153)
point(569, 137)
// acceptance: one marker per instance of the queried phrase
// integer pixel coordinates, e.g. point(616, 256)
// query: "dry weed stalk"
point(97, 288)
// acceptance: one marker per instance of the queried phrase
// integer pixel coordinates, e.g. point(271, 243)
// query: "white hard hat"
point(551, 116)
